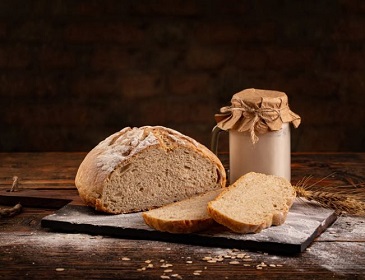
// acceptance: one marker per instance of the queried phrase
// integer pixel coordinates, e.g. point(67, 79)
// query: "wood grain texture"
point(29, 251)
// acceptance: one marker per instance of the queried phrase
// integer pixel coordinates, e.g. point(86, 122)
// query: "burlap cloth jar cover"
point(257, 112)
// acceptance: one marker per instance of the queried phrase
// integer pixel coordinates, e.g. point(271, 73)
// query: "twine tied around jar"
point(257, 112)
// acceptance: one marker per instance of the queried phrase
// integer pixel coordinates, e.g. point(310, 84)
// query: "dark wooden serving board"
point(304, 223)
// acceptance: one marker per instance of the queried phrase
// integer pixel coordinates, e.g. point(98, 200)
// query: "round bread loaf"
point(142, 168)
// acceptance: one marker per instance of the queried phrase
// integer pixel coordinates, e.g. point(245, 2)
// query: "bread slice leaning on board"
point(137, 169)
point(187, 216)
point(254, 202)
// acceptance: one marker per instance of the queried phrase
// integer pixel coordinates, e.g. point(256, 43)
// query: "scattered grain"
point(165, 265)
point(60, 269)
point(197, 272)
point(141, 269)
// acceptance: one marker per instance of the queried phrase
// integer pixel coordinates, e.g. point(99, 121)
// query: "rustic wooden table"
point(29, 251)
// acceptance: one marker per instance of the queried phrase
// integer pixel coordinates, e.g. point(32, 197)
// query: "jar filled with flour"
point(259, 133)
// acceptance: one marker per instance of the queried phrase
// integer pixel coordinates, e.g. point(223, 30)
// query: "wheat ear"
point(339, 200)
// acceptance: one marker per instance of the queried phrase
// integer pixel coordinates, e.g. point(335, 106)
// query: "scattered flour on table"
point(328, 258)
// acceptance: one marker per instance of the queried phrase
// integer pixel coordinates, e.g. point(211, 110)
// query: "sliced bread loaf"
point(254, 202)
point(142, 168)
point(186, 216)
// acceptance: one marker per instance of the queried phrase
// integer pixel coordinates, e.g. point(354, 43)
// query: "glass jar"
point(259, 133)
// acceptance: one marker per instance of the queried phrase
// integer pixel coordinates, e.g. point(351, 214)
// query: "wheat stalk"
point(340, 199)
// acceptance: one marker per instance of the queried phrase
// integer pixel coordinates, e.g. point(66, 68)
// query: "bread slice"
point(254, 202)
point(142, 168)
point(187, 216)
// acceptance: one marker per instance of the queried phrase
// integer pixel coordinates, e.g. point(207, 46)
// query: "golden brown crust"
point(89, 178)
point(178, 226)
point(234, 225)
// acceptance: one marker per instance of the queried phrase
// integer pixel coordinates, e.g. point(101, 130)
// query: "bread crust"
point(178, 226)
point(121, 148)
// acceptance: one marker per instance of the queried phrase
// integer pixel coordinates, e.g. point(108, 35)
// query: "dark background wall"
point(73, 72)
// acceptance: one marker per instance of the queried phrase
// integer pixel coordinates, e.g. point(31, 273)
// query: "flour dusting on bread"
point(142, 168)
